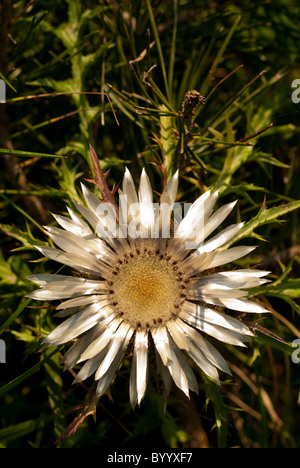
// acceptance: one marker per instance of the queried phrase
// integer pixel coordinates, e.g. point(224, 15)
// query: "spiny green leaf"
point(261, 157)
point(7, 275)
point(26, 239)
point(168, 142)
point(214, 396)
point(264, 216)
point(29, 154)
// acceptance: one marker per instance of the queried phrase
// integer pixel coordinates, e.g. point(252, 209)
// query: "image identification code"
point(154, 457)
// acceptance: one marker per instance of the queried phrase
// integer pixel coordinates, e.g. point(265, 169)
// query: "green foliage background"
point(243, 57)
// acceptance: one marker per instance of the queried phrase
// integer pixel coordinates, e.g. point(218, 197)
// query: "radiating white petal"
point(86, 263)
point(122, 335)
point(70, 225)
point(147, 217)
point(102, 216)
point(139, 368)
point(210, 352)
point(242, 305)
point(170, 191)
point(162, 344)
point(133, 396)
point(106, 379)
point(220, 239)
point(244, 273)
point(190, 376)
point(201, 315)
point(220, 333)
point(195, 264)
point(145, 190)
point(176, 333)
point(217, 218)
point(124, 216)
point(205, 202)
point(167, 201)
point(87, 213)
point(244, 278)
point(79, 221)
point(44, 279)
point(64, 313)
point(230, 255)
point(72, 356)
point(226, 335)
point(129, 206)
point(91, 199)
point(101, 341)
point(141, 353)
point(90, 366)
point(211, 291)
point(77, 324)
point(80, 301)
point(201, 360)
point(105, 213)
point(129, 188)
point(74, 305)
point(228, 290)
point(225, 296)
point(177, 372)
point(194, 218)
point(60, 287)
point(164, 373)
point(169, 354)
point(72, 243)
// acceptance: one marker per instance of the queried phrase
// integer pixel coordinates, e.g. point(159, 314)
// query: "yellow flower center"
point(146, 289)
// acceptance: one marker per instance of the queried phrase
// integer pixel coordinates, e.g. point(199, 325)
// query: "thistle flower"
point(142, 283)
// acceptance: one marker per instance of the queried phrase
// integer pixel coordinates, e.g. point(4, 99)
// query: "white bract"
point(147, 287)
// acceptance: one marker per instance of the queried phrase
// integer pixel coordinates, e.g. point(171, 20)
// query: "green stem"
point(173, 47)
point(157, 40)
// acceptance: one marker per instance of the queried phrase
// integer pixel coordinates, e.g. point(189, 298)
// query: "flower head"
point(147, 276)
